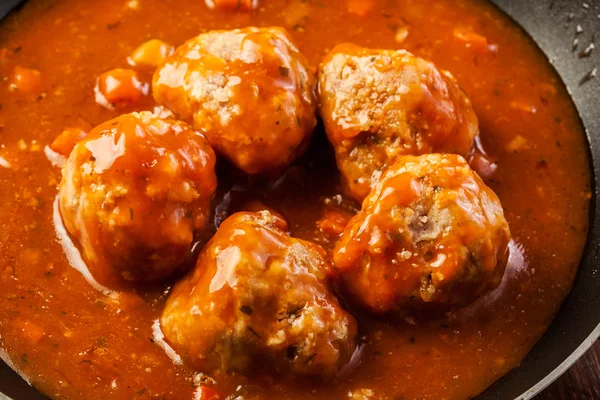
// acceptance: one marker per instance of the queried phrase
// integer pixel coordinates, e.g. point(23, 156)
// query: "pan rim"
point(563, 367)
point(594, 226)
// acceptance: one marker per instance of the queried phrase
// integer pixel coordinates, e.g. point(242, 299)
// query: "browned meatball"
point(248, 90)
point(134, 193)
point(430, 233)
point(379, 104)
point(259, 300)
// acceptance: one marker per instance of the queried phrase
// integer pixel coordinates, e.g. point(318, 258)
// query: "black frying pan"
point(552, 25)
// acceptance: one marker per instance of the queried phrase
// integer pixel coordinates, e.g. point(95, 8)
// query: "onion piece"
point(159, 339)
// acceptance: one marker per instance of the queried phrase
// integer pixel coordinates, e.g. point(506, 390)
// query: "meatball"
point(248, 90)
point(430, 235)
point(135, 193)
point(379, 104)
point(258, 300)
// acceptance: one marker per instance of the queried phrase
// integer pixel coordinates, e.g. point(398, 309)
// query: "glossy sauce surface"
point(73, 342)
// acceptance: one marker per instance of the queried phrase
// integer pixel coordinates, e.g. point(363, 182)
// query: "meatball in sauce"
point(135, 193)
point(259, 300)
point(379, 104)
point(430, 234)
point(249, 90)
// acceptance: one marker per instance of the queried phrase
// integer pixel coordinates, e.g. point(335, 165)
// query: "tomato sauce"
point(72, 341)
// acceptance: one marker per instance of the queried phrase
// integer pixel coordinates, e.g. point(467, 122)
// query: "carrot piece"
point(151, 53)
point(120, 86)
point(204, 392)
point(64, 143)
point(26, 80)
point(360, 7)
point(333, 221)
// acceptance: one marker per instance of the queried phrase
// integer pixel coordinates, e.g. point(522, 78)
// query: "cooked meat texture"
point(379, 104)
point(259, 300)
point(248, 90)
point(430, 235)
point(134, 194)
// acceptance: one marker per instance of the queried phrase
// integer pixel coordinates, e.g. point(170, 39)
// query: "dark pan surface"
point(552, 24)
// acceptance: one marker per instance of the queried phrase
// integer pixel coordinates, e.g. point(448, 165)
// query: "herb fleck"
point(113, 25)
point(284, 71)
point(254, 332)
point(246, 310)
point(131, 213)
point(309, 359)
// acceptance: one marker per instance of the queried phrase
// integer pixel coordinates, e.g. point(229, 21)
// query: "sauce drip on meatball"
point(430, 235)
point(249, 90)
point(135, 194)
point(259, 300)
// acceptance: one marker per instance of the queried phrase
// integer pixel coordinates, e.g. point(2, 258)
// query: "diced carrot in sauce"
point(118, 87)
point(360, 7)
point(334, 221)
point(30, 331)
point(232, 5)
point(151, 53)
point(26, 81)
point(64, 143)
point(205, 392)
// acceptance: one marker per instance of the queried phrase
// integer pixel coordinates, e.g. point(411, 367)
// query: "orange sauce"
point(73, 342)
